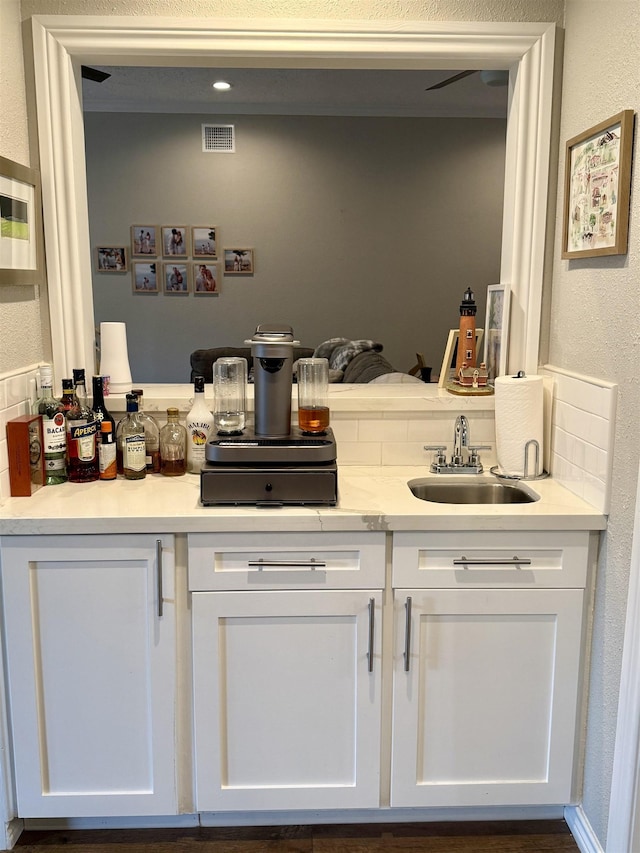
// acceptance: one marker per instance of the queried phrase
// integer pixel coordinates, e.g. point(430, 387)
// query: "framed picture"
point(143, 240)
point(175, 278)
point(496, 330)
point(203, 240)
point(111, 259)
point(21, 238)
point(597, 189)
point(174, 240)
point(144, 277)
point(238, 261)
point(205, 279)
point(448, 369)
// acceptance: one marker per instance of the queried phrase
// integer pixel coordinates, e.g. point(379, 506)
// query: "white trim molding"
point(582, 831)
point(62, 43)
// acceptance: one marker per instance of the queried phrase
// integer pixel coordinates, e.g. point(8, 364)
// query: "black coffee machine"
point(272, 463)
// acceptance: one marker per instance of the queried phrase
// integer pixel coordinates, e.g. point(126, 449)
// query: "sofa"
point(202, 359)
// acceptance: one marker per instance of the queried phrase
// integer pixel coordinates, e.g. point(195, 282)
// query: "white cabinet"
point(487, 661)
point(287, 669)
point(90, 645)
point(287, 699)
point(485, 702)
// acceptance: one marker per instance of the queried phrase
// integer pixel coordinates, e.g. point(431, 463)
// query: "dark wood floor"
point(499, 837)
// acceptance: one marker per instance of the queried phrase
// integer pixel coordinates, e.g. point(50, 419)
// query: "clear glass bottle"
point(82, 435)
point(134, 465)
point(107, 452)
point(53, 430)
point(151, 435)
point(173, 445)
point(199, 426)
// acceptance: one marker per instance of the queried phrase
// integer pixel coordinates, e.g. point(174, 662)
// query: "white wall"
point(595, 329)
point(20, 327)
point(357, 225)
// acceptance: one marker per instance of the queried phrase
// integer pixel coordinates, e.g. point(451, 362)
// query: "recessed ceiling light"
point(221, 85)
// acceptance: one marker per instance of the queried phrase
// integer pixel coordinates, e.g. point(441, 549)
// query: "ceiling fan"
point(489, 78)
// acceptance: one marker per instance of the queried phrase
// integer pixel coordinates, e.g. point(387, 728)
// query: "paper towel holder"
point(525, 476)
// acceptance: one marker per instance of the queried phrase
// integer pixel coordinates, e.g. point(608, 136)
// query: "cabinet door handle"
point(159, 577)
point(407, 634)
point(498, 561)
point(300, 564)
point(372, 616)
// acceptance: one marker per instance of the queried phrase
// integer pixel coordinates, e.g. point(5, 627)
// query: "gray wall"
point(362, 227)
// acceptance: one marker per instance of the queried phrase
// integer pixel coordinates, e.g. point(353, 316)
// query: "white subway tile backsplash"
point(582, 434)
point(359, 453)
point(383, 430)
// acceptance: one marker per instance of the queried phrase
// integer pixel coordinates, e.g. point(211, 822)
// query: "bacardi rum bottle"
point(53, 430)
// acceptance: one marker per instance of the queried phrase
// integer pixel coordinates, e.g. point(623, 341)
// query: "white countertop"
point(369, 498)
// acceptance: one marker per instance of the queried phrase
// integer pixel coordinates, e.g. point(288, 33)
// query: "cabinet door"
point(287, 699)
point(90, 634)
point(485, 701)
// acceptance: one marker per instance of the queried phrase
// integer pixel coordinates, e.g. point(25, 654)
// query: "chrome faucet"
point(461, 442)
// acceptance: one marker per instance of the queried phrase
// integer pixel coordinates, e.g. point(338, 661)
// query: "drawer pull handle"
point(299, 564)
point(513, 561)
point(372, 612)
point(159, 577)
point(407, 634)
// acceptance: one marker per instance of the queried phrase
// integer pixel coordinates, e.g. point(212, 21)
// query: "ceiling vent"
point(219, 138)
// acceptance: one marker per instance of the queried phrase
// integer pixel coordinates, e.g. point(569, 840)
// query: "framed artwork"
point(144, 277)
point(175, 278)
point(497, 330)
point(174, 240)
point(111, 259)
point(203, 240)
point(21, 237)
point(143, 241)
point(238, 262)
point(597, 189)
point(206, 279)
point(448, 369)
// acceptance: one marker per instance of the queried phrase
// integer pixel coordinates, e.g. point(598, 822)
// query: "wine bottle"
point(98, 405)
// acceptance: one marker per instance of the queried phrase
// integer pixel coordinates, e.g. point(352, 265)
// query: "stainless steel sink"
point(471, 490)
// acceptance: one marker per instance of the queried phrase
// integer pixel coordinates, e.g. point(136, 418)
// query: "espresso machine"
point(270, 463)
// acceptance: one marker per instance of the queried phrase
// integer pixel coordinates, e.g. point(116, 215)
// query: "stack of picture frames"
point(175, 260)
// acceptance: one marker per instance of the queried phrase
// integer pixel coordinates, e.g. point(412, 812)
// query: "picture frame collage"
point(175, 260)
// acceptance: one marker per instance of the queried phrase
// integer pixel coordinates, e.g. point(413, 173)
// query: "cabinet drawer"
point(491, 559)
point(237, 561)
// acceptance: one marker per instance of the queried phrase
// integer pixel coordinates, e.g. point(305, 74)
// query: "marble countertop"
point(369, 498)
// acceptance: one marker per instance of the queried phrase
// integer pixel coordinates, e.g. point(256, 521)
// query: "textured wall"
point(20, 329)
point(595, 329)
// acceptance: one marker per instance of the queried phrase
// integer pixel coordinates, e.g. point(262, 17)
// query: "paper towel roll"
point(114, 357)
point(519, 403)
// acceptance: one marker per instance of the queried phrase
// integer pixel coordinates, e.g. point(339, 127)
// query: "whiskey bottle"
point(67, 394)
point(199, 425)
point(173, 440)
point(53, 430)
point(151, 435)
point(82, 436)
point(134, 466)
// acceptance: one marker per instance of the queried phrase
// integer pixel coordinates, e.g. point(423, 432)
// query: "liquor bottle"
point(173, 441)
point(82, 436)
point(199, 425)
point(98, 406)
point(134, 466)
point(53, 430)
point(67, 394)
point(107, 452)
point(151, 435)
